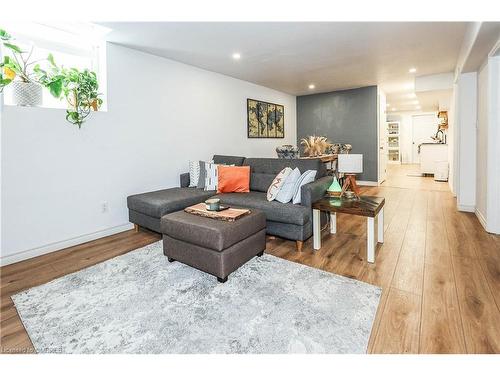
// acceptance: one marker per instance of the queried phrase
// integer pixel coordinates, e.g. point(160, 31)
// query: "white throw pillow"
point(277, 183)
point(194, 173)
point(285, 195)
point(307, 176)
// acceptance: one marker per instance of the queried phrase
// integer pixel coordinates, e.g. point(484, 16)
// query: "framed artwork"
point(265, 120)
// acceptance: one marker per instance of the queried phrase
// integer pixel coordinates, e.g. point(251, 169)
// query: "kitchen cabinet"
point(429, 154)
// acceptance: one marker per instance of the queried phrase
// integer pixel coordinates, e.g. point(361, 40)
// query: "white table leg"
point(316, 229)
point(371, 237)
point(333, 222)
point(380, 225)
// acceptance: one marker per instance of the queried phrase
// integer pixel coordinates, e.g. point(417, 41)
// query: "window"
point(78, 45)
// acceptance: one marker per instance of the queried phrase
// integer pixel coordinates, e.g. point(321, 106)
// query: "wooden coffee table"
point(370, 207)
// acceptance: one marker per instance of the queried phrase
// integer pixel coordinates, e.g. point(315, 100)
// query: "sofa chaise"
point(286, 220)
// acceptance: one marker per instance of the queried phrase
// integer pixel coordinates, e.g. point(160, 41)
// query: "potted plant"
point(80, 88)
point(17, 71)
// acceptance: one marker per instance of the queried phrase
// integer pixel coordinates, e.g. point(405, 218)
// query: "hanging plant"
point(79, 88)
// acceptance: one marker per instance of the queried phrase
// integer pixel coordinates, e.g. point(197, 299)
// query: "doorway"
point(423, 128)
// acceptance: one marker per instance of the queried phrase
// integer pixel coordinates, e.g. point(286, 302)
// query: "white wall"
point(488, 141)
point(465, 142)
point(450, 138)
point(482, 144)
point(494, 147)
point(160, 115)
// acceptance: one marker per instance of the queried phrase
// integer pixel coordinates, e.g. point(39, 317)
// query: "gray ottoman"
point(214, 246)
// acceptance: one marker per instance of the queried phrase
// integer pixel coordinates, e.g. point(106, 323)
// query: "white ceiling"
point(289, 56)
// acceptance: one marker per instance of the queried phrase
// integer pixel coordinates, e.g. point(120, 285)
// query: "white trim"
point(466, 208)
point(481, 218)
point(31, 253)
point(367, 183)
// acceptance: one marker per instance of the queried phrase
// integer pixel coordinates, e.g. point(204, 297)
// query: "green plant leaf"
point(51, 60)
point(13, 47)
point(55, 87)
point(4, 35)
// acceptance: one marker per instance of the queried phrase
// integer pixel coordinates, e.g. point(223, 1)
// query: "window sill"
point(104, 108)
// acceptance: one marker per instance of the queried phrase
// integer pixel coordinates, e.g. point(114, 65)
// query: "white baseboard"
point(367, 183)
point(481, 218)
point(466, 208)
point(31, 253)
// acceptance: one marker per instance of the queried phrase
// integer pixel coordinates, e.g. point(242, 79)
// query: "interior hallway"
point(439, 271)
point(398, 176)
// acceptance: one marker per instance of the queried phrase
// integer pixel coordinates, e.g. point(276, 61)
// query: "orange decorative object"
point(233, 179)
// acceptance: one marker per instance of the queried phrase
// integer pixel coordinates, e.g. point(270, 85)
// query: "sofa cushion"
point(277, 184)
point(288, 189)
point(211, 233)
point(229, 160)
point(305, 178)
point(233, 179)
point(194, 173)
point(161, 202)
point(263, 170)
point(275, 211)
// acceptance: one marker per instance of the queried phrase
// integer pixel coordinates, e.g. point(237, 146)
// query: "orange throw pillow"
point(233, 179)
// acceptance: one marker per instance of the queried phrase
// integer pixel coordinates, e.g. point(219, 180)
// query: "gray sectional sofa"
point(287, 220)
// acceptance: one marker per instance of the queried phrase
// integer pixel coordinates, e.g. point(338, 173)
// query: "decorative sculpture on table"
point(334, 190)
point(287, 152)
point(339, 148)
point(314, 145)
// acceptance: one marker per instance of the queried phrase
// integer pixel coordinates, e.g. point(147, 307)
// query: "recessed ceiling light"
point(236, 56)
point(311, 87)
point(412, 70)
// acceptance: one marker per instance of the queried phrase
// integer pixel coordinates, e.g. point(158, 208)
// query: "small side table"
point(370, 207)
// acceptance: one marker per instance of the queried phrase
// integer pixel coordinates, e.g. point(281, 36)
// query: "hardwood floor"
point(439, 270)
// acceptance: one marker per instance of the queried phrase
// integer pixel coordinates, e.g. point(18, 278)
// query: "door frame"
point(381, 131)
point(413, 161)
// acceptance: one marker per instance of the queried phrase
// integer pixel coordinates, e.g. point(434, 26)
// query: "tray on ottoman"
point(229, 214)
point(215, 246)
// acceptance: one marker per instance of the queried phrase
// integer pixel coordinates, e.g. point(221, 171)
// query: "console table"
point(370, 207)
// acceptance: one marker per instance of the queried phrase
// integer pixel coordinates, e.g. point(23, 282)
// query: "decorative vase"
point(27, 94)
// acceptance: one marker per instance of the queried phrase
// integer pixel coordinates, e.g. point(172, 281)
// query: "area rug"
point(141, 303)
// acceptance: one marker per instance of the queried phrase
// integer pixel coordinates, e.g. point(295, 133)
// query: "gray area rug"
point(141, 303)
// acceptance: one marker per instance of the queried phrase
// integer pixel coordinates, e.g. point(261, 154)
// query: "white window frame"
point(95, 49)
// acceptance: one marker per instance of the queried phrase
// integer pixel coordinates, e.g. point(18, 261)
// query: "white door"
point(382, 138)
point(424, 127)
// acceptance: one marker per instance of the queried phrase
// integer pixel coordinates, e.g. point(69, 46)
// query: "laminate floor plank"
point(398, 331)
point(480, 315)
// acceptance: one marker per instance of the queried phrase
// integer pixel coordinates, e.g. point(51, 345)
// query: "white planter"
point(26, 94)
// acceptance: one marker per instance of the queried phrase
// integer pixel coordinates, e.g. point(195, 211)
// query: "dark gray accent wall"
point(348, 116)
